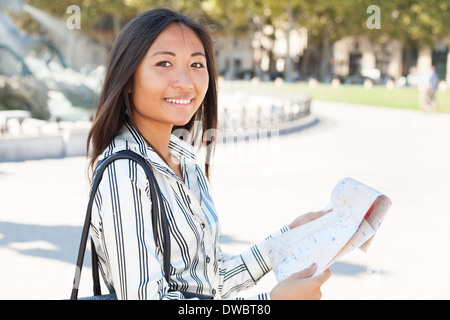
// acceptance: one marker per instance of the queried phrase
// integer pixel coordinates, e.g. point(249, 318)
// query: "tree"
point(112, 13)
point(326, 21)
point(419, 23)
point(415, 23)
point(330, 21)
point(232, 19)
point(282, 15)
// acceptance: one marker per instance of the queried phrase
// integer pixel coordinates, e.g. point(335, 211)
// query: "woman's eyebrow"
point(198, 54)
point(195, 54)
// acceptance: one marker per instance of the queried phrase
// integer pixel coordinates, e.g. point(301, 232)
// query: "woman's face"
point(172, 79)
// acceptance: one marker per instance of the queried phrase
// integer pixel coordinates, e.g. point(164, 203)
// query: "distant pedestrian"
point(428, 100)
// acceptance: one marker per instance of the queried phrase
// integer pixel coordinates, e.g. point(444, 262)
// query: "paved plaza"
point(258, 187)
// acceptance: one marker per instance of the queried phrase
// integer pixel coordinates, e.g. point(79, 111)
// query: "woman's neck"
point(158, 137)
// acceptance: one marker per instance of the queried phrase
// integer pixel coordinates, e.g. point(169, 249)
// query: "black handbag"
point(157, 206)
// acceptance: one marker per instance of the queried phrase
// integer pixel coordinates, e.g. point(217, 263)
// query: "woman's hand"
point(301, 285)
point(307, 217)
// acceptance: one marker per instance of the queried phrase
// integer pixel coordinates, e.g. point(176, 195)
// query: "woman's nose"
point(183, 80)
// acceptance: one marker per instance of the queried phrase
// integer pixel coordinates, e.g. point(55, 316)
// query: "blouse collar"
point(129, 139)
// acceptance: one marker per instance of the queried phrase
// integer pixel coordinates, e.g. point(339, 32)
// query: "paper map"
point(357, 213)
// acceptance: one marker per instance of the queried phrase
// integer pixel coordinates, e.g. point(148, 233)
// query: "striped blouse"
point(121, 228)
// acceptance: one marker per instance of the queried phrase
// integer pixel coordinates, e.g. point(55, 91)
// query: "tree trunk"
point(116, 25)
point(289, 66)
point(230, 73)
point(324, 59)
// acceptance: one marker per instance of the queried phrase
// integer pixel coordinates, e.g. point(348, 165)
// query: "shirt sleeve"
point(123, 234)
point(243, 271)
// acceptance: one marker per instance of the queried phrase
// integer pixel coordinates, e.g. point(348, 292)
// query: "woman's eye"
point(197, 65)
point(163, 64)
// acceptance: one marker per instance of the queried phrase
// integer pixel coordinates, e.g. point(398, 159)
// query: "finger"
point(324, 276)
point(326, 211)
point(321, 213)
point(308, 272)
point(316, 215)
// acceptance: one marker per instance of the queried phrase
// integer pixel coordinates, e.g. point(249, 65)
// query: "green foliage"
point(94, 12)
point(414, 22)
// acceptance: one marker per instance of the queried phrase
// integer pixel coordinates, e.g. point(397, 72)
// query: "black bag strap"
point(157, 207)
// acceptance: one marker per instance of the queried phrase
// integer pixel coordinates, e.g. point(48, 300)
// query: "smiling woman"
point(159, 58)
point(178, 61)
point(161, 77)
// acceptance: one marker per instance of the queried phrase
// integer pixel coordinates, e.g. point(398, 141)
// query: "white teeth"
point(179, 101)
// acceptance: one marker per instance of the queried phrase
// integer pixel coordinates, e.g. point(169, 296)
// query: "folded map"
point(357, 213)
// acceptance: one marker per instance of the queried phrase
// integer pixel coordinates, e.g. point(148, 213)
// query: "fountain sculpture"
point(34, 75)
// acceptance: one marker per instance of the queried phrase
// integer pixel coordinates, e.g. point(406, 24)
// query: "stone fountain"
point(34, 75)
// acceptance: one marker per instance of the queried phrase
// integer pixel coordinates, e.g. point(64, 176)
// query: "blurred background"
point(56, 54)
point(303, 68)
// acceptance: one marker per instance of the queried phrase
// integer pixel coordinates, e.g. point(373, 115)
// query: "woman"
point(160, 79)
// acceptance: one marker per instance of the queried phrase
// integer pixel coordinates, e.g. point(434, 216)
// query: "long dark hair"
point(129, 48)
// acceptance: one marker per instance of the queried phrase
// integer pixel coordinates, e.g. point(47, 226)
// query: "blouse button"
point(213, 292)
point(208, 259)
